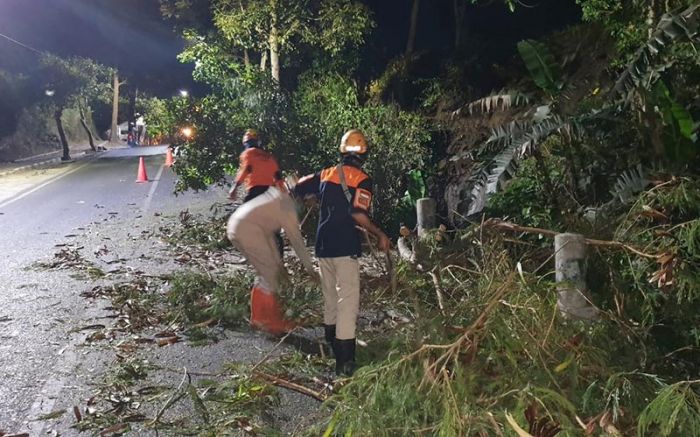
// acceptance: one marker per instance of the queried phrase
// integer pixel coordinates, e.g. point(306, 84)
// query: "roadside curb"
point(74, 157)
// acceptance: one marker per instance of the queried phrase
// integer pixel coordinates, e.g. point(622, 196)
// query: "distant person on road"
point(345, 193)
point(251, 228)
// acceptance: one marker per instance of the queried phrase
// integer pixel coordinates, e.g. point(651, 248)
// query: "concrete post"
point(570, 265)
point(425, 212)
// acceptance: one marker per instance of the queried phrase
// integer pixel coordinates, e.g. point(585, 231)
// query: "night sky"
point(131, 35)
point(128, 34)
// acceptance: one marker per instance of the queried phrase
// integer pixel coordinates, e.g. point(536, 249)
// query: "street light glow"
point(184, 93)
point(50, 93)
point(187, 132)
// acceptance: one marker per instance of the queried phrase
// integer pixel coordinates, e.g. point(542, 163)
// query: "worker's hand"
point(310, 201)
point(232, 195)
point(384, 244)
point(314, 276)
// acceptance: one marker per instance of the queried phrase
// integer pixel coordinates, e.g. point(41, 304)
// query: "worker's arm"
point(307, 186)
point(363, 220)
point(290, 224)
point(243, 170)
point(361, 203)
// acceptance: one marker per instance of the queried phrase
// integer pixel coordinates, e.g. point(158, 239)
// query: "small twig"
point(438, 290)
point(494, 424)
point(371, 246)
point(211, 278)
point(269, 353)
point(308, 213)
point(276, 380)
point(176, 396)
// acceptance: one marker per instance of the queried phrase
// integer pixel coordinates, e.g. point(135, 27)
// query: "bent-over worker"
point(251, 228)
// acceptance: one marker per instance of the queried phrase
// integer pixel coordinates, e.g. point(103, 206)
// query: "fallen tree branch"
point(276, 380)
point(501, 225)
point(438, 289)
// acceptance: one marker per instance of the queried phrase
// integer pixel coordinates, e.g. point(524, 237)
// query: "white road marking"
point(53, 386)
point(40, 186)
point(48, 395)
point(147, 202)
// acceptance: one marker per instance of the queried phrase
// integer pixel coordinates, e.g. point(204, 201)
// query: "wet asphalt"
point(95, 202)
point(39, 308)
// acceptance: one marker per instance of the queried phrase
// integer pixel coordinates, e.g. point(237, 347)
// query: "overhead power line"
point(14, 41)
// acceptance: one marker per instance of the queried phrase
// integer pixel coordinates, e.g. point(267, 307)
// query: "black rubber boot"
point(329, 331)
point(345, 357)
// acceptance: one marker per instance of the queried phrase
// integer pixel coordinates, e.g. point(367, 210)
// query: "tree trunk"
point(410, 43)
point(114, 134)
point(85, 126)
point(651, 18)
point(62, 134)
point(460, 10)
point(263, 61)
point(132, 113)
point(274, 48)
point(246, 58)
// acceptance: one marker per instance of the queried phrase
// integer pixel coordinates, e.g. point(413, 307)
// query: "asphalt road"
point(40, 209)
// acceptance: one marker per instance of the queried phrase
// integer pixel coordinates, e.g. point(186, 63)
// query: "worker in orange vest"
point(258, 169)
point(345, 193)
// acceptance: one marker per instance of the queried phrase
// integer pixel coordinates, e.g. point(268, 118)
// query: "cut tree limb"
point(276, 380)
point(501, 225)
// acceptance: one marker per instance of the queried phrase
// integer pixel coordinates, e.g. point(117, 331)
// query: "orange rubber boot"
point(266, 314)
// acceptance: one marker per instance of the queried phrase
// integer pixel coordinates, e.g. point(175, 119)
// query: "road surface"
point(39, 210)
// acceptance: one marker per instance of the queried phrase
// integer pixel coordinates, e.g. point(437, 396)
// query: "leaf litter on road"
point(194, 304)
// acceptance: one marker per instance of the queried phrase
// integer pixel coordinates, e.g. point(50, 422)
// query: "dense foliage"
point(593, 130)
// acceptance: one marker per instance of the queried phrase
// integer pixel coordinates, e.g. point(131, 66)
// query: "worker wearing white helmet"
point(345, 194)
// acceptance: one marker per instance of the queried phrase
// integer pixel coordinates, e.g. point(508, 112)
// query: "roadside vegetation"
point(592, 129)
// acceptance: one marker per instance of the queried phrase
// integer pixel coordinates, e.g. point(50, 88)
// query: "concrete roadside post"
point(425, 213)
point(570, 266)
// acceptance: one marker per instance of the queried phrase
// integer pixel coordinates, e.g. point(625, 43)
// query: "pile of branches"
point(486, 352)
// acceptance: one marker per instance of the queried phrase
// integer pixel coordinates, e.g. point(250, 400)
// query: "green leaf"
point(679, 133)
point(541, 64)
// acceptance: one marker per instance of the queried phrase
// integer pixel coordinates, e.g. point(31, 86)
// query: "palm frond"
point(630, 183)
point(503, 166)
point(504, 134)
point(500, 101)
point(642, 70)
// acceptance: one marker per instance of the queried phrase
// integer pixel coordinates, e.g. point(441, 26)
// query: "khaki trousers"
point(340, 280)
point(260, 249)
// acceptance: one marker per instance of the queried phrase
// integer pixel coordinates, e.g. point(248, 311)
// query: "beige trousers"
point(340, 280)
point(260, 249)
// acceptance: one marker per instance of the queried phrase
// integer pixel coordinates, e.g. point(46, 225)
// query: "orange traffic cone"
point(169, 157)
point(266, 314)
point(142, 176)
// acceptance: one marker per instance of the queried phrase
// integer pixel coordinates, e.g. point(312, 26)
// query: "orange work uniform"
point(258, 170)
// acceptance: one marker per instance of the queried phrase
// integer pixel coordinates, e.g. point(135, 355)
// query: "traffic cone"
point(169, 157)
point(142, 176)
point(266, 314)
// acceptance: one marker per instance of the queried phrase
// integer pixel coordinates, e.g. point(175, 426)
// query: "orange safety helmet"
point(250, 135)
point(354, 142)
